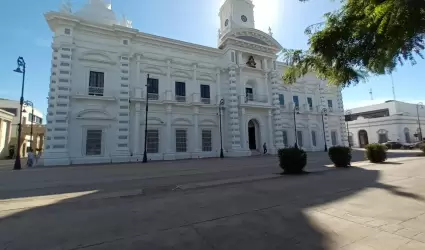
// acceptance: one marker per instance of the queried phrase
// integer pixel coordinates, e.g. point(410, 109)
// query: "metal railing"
point(153, 96)
point(255, 98)
point(96, 91)
point(206, 100)
point(180, 98)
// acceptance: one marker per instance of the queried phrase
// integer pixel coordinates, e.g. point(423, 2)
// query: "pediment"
point(206, 77)
point(208, 123)
point(97, 56)
point(153, 70)
point(254, 36)
point(181, 74)
point(94, 114)
point(154, 121)
point(182, 122)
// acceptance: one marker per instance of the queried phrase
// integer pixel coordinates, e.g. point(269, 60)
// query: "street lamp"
point(348, 119)
point(324, 113)
point(145, 152)
point(221, 107)
point(419, 105)
point(296, 111)
point(20, 69)
point(30, 103)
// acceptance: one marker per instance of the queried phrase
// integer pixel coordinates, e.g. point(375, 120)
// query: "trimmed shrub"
point(376, 153)
point(340, 156)
point(292, 160)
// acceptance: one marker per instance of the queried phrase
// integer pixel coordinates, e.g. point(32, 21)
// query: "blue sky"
point(27, 34)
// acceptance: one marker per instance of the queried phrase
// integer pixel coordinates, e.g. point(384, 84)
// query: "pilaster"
point(169, 155)
point(277, 116)
point(340, 110)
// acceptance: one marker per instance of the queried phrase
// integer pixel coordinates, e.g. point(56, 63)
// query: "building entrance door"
point(251, 136)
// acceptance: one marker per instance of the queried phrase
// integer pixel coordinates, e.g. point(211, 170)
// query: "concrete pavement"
point(372, 207)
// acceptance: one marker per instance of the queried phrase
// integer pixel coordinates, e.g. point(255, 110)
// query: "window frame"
point(157, 143)
point(314, 138)
point(89, 86)
point(282, 99)
point(334, 132)
point(210, 147)
point(296, 100)
point(176, 140)
point(85, 141)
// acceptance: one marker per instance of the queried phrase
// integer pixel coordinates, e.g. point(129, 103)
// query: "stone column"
point(218, 84)
point(277, 116)
point(137, 138)
point(170, 84)
point(270, 143)
point(244, 132)
point(340, 110)
point(169, 155)
point(196, 129)
point(234, 136)
point(323, 104)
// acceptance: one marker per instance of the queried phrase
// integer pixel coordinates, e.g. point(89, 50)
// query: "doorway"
point(253, 131)
point(363, 138)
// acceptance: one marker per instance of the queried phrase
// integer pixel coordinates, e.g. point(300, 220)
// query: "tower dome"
point(97, 11)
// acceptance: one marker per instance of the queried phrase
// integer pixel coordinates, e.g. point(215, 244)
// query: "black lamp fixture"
point(419, 106)
point(20, 69)
point(348, 119)
point(220, 108)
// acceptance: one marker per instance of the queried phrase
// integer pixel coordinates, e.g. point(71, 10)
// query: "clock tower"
point(236, 14)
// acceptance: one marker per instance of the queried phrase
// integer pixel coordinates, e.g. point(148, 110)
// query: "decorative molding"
point(94, 114)
point(97, 56)
point(153, 70)
point(181, 122)
point(207, 123)
point(182, 74)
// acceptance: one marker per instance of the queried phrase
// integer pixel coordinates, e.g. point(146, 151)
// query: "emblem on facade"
point(251, 62)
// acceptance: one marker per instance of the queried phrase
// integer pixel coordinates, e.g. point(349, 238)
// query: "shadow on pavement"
point(268, 214)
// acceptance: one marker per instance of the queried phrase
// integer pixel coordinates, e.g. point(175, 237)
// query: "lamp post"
point(324, 113)
point(145, 152)
point(20, 69)
point(419, 105)
point(296, 111)
point(348, 119)
point(30, 103)
point(220, 107)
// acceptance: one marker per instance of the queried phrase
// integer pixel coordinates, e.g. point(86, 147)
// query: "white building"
point(5, 132)
point(13, 107)
point(97, 97)
point(389, 121)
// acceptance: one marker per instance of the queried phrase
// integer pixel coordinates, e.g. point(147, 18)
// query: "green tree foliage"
point(363, 37)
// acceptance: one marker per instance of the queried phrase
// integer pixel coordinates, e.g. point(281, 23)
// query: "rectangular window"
point(96, 83)
point(330, 105)
point(281, 100)
point(300, 138)
point(205, 94)
point(249, 94)
point(94, 142)
point(30, 117)
point(153, 141)
point(206, 140)
point(313, 138)
point(153, 89)
point(334, 138)
point(296, 101)
point(310, 103)
point(181, 141)
point(285, 138)
point(180, 91)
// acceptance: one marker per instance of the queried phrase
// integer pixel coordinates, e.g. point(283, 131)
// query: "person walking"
point(265, 148)
point(31, 158)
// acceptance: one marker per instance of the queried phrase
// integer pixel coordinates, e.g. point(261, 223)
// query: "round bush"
point(376, 153)
point(292, 160)
point(340, 156)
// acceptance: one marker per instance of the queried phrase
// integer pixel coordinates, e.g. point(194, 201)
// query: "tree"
point(363, 37)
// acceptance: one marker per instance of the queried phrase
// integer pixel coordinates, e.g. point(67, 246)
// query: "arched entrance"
point(254, 135)
point(363, 138)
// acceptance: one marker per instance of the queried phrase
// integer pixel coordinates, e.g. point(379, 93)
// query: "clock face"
point(226, 22)
point(244, 19)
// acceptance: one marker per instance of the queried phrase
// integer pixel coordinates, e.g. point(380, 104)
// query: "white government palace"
point(98, 92)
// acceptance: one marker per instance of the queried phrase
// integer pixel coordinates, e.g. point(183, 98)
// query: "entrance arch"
point(254, 139)
point(363, 138)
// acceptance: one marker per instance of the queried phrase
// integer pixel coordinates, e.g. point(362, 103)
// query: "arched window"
point(382, 136)
point(407, 135)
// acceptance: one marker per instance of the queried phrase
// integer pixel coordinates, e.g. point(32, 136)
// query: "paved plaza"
point(234, 203)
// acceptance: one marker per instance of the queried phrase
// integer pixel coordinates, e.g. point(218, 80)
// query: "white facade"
point(14, 108)
point(5, 132)
point(389, 121)
point(97, 98)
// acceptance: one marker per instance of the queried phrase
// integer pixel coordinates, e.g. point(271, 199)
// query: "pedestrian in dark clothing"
point(265, 148)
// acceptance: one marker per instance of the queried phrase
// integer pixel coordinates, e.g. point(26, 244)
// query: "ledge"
point(92, 97)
